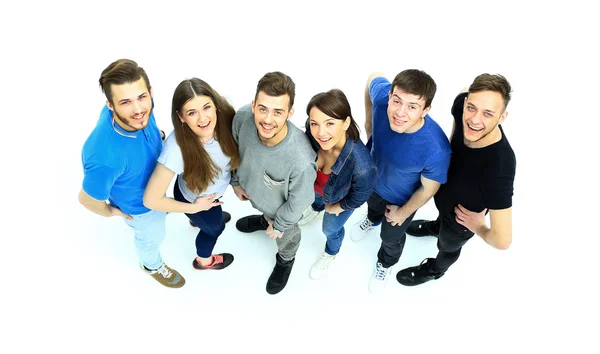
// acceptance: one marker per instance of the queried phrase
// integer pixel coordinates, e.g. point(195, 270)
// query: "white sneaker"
point(321, 265)
point(309, 215)
point(362, 229)
point(379, 278)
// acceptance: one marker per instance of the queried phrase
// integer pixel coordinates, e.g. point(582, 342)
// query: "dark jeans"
point(392, 237)
point(451, 238)
point(210, 222)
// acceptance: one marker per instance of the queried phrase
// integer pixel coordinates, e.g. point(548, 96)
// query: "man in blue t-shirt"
point(412, 154)
point(118, 158)
point(480, 179)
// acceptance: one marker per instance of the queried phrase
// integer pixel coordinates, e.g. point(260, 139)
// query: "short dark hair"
point(494, 83)
point(121, 72)
point(416, 82)
point(277, 84)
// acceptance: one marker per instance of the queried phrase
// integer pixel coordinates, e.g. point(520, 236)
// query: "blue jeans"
point(149, 231)
point(333, 226)
point(210, 222)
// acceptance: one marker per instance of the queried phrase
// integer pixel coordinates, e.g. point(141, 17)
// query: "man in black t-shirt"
point(480, 179)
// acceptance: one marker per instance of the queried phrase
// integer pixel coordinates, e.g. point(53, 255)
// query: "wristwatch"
point(277, 231)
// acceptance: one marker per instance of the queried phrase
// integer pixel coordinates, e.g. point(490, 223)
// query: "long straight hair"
point(199, 169)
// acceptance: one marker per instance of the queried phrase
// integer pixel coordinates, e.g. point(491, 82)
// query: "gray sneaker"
point(166, 276)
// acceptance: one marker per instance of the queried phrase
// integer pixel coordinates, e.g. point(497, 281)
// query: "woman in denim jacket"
point(346, 175)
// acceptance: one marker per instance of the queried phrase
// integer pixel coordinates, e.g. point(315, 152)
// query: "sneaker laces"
point(305, 214)
point(323, 262)
point(423, 269)
point(366, 224)
point(164, 271)
point(380, 272)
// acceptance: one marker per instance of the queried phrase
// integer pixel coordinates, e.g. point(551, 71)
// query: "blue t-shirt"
point(117, 164)
point(401, 158)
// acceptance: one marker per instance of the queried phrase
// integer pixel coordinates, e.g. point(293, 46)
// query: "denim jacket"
point(353, 175)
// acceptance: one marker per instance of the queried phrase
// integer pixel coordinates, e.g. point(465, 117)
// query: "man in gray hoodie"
point(277, 171)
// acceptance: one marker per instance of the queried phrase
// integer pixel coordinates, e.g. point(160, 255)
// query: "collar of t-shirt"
point(117, 128)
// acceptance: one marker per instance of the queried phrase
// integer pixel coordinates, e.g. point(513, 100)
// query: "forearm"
point(300, 196)
point(356, 198)
point(100, 208)
point(235, 179)
point(493, 238)
point(360, 191)
point(167, 204)
point(368, 113)
point(287, 215)
point(417, 200)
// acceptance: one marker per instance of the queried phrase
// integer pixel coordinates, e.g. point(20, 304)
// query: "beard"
point(131, 125)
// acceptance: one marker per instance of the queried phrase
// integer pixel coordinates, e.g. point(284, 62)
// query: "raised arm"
point(466, 89)
point(369, 105)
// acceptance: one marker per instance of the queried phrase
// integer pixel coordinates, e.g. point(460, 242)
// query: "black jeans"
point(392, 237)
point(451, 238)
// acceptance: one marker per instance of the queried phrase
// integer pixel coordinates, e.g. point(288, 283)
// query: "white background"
point(70, 279)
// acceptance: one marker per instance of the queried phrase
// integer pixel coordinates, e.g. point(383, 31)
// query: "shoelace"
point(164, 271)
point(422, 269)
point(217, 258)
point(307, 213)
point(366, 224)
point(304, 216)
point(324, 261)
point(380, 272)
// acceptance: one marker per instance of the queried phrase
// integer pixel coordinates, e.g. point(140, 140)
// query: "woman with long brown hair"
point(202, 152)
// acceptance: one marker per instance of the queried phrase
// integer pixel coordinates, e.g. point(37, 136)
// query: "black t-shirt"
point(477, 178)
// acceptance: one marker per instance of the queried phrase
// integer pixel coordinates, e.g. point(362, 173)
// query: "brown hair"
point(416, 82)
point(334, 104)
point(121, 72)
point(494, 83)
point(277, 84)
point(199, 170)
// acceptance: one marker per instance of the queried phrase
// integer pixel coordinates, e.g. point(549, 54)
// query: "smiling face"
point(270, 116)
point(406, 111)
point(483, 112)
point(132, 105)
point(329, 132)
point(200, 115)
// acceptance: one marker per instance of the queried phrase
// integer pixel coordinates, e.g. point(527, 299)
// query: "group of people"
point(294, 177)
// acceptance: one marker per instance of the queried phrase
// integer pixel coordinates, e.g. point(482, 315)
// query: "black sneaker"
point(251, 223)
point(220, 261)
point(226, 217)
point(420, 228)
point(419, 274)
point(280, 275)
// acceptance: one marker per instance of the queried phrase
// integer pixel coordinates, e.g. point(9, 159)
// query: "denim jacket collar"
point(344, 156)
